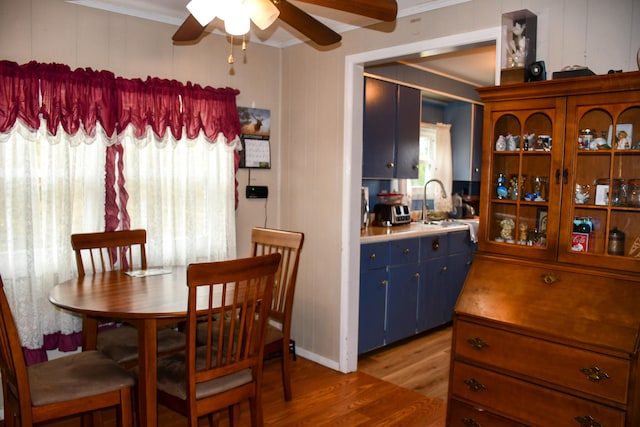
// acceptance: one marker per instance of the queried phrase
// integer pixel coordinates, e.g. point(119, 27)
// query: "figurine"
point(518, 46)
point(528, 141)
point(507, 225)
point(522, 239)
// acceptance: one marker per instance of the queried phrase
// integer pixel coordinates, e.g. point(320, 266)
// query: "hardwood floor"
point(323, 397)
point(420, 364)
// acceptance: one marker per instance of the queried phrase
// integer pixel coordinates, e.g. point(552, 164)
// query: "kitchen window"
point(435, 163)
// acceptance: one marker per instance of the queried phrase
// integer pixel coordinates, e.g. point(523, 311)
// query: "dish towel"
point(473, 231)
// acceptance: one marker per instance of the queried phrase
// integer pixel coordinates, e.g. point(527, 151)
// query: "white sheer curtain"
point(183, 194)
point(443, 168)
point(49, 191)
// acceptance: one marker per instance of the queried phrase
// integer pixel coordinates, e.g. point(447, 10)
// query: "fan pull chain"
point(230, 60)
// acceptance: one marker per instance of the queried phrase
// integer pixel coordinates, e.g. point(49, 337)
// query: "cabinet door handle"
point(565, 176)
point(470, 422)
point(406, 251)
point(417, 275)
point(587, 421)
point(595, 374)
point(435, 245)
point(416, 167)
point(384, 282)
point(557, 176)
point(477, 343)
point(390, 165)
point(474, 385)
point(372, 256)
point(444, 268)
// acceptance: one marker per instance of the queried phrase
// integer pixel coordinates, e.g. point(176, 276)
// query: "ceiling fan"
point(383, 10)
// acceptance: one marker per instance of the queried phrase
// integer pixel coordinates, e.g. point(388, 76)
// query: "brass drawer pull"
point(474, 385)
point(405, 251)
point(477, 343)
point(385, 282)
point(372, 256)
point(550, 278)
point(470, 422)
point(595, 374)
point(587, 421)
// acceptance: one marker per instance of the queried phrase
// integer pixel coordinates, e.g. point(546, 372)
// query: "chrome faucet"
point(425, 211)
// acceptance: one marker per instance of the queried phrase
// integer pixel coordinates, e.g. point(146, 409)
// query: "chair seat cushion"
point(79, 375)
point(273, 334)
point(171, 377)
point(121, 344)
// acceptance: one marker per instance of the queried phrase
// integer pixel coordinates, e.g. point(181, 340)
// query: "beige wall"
point(305, 90)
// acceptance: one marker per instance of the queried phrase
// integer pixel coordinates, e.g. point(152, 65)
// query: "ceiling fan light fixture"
point(203, 10)
point(263, 13)
point(236, 18)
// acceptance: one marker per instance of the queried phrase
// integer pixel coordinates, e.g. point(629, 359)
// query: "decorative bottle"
point(502, 190)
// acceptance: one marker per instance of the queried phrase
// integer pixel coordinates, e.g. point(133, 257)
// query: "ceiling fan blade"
point(384, 10)
point(189, 31)
point(306, 24)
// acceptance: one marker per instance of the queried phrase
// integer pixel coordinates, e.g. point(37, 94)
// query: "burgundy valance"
point(79, 99)
point(19, 91)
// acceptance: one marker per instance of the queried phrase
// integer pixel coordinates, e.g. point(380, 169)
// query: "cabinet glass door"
point(526, 154)
point(602, 227)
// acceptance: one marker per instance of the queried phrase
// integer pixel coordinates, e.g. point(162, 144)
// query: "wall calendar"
point(256, 127)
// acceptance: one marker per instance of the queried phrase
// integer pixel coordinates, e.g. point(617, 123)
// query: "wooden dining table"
point(147, 300)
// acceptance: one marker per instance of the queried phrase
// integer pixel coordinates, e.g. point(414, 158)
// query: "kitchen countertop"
point(372, 234)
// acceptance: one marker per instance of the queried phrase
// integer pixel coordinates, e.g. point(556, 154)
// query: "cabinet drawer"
point(404, 251)
point(526, 402)
point(550, 362)
point(459, 242)
point(461, 415)
point(434, 246)
point(374, 255)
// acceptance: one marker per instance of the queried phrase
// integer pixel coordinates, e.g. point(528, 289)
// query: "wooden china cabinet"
point(547, 328)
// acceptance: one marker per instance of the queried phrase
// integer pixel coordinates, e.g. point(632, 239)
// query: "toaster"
point(391, 214)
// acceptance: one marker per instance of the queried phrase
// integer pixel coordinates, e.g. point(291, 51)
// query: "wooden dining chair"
point(120, 250)
point(70, 385)
point(227, 368)
point(278, 340)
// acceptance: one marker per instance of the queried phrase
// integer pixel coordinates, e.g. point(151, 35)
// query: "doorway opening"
point(352, 169)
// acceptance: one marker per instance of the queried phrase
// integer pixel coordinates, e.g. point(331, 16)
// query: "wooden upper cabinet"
point(569, 200)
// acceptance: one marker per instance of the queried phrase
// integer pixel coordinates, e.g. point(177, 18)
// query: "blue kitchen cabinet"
point(374, 258)
point(444, 262)
point(432, 291)
point(410, 285)
point(391, 130)
point(404, 276)
point(459, 262)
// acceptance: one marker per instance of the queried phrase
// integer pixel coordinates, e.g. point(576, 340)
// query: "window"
point(435, 163)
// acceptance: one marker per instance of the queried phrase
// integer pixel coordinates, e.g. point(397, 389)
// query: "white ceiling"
point(476, 66)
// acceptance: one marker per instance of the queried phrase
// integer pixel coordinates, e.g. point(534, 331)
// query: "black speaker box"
point(537, 72)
